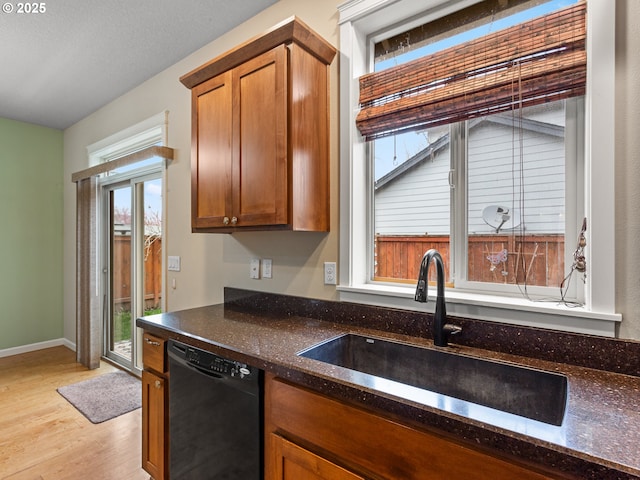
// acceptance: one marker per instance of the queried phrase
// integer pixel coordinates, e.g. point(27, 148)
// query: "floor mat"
point(106, 396)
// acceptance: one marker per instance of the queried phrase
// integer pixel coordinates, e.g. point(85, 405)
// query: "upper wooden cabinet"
point(260, 134)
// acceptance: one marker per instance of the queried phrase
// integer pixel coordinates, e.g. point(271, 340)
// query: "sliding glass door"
point(132, 263)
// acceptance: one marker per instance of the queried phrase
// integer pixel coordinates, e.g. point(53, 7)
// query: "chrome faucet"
point(441, 329)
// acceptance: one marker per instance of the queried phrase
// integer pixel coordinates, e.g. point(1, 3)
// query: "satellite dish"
point(500, 217)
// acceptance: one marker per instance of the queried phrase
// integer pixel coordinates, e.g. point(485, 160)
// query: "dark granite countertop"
point(598, 439)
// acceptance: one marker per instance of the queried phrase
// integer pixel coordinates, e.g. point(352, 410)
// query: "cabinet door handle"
point(158, 384)
point(234, 220)
point(225, 220)
point(151, 342)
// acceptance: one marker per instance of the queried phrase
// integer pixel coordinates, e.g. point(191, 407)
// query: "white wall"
point(210, 261)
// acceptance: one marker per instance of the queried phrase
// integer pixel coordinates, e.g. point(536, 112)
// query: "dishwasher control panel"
point(210, 361)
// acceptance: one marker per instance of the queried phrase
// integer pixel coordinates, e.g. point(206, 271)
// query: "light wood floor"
point(43, 437)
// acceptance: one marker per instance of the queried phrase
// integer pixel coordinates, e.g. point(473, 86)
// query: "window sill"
point(510, 310)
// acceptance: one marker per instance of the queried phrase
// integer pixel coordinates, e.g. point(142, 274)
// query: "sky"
point(152, 198)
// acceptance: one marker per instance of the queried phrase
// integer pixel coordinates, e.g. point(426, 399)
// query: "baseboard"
point(69, 344)
point(7, 352)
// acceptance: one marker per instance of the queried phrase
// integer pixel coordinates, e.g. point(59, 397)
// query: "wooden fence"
point(506, 258)
point(122, 274)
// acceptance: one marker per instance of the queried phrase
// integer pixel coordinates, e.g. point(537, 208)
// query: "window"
point(531, 158)
point(508, 200)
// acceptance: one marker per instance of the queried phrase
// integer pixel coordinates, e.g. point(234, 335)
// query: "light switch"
point(173, 263)
point(254, 268)
point(266, 267)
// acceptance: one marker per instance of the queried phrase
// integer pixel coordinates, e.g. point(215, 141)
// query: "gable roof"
point(432, 149)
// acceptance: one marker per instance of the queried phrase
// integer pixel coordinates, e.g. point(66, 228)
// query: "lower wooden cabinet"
point(310, 437)
point(154, 395)
point(155, 412)
point(292, 462)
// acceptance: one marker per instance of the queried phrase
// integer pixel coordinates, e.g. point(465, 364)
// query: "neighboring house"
point(414, 198)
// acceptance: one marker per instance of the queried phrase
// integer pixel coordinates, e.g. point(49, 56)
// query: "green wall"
point(31, 202)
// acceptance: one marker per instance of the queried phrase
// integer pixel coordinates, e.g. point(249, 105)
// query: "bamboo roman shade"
point(534, 62)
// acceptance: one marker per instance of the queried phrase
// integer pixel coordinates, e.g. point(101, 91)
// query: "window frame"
point(361, 22)
point(144, 134)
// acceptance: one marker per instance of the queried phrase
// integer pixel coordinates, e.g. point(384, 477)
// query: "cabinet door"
point(260, 166)
point(293, 462)
point(211, 155)
point(153, 425)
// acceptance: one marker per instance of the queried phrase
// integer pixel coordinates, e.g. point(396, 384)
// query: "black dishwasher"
point(215, 416)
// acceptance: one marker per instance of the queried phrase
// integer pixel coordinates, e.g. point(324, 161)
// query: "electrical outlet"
point(254, 268)
point(330, 273)
point(266, 267)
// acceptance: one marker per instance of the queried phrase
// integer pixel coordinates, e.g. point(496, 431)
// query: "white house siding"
point(418, 201)
point(494, 177)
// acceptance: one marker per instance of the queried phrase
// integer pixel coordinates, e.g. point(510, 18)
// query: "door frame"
point(134, 180)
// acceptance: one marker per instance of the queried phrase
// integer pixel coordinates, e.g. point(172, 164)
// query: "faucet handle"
point(450, 329)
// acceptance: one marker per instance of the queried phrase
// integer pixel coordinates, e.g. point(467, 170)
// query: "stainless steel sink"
point(524, 391)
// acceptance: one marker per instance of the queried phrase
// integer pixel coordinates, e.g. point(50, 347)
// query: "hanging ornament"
point(497, 258)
